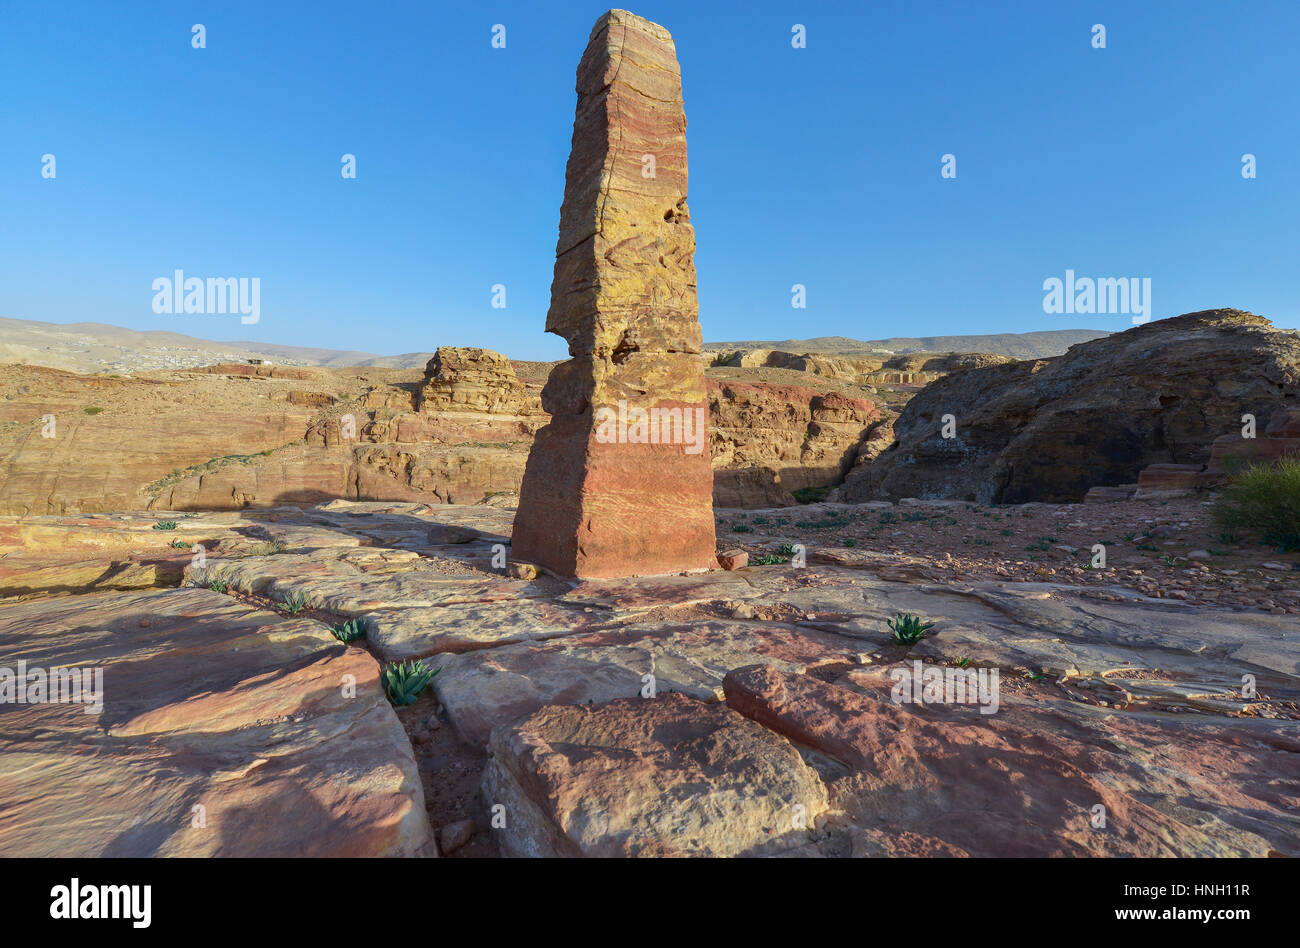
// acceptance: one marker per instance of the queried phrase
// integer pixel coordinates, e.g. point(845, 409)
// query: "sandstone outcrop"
point(603, 493)
point(1232, 452)
point(475, 380)
point(770, 440)
point(913, 369)
point(723, 713)
point(1051, 429)
point(624, 780)
point(222, 731)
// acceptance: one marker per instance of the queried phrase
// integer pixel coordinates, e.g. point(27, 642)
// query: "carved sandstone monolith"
point(620, 483)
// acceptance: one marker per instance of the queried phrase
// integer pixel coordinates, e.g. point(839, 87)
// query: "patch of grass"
point(827, 524)
point(908, 629)
point(294, 603)
point(165, 525)
point(218, 585)
point(270, 548)
point(1264, 498)
point(403, 681)
point(810, 495)
point(93, 410)
point(769, 559)
point(350, 631)
point(849, 541)
point(741, 528)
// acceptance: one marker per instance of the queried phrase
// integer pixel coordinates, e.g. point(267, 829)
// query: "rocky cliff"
point(233, 436)
point(1050, 429)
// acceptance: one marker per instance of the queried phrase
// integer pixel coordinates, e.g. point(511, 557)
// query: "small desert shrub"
point(1265, 498)
point(93, 410)
point(908, 628)
point(828, 524)
point(741, 528)
point(165, 525)
point(294, 603)
point(266, 549)
point(810, 495)
point(218, 585)
point(350, 631)
point(849, 541)
point(180, 545)
point(403, 681)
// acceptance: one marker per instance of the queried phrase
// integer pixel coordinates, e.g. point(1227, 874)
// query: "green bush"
point(93, 410)
point(908, 628)
point(350, 631)
point(218, 585)
point(165, 525)
point(294, 603)
point(1266, 498)
point(403, 681)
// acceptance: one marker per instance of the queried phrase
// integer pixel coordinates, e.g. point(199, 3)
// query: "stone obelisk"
point(619, 483)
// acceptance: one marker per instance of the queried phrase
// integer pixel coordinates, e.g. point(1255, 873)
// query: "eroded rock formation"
point(619, 482)
point(1050, 429)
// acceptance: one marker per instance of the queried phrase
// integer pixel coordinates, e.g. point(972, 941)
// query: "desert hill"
point(99, 347)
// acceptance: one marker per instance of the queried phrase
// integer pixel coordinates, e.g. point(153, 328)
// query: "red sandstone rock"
point(602, 495)
point(733, 559)
point(1231, 453)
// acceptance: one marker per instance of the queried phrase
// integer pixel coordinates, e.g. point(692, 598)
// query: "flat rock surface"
point(483, 689)
point(224, 731)
point(666, 776)
point(1178, 718)
point(1027, 779)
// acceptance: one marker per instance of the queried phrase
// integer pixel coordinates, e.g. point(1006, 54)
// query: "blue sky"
point(818, 166)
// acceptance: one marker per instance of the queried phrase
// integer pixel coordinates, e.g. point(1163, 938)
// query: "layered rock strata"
point(620, 482)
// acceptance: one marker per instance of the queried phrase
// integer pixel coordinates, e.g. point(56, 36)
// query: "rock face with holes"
point(1050, 429)
point(619, 482)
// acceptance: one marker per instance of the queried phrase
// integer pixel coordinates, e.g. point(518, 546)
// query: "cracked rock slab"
point(224, 731)
point(486, 688)
point(940, 779)
point(667, 776)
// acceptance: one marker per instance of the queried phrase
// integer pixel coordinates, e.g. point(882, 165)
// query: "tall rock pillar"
point(619, 483)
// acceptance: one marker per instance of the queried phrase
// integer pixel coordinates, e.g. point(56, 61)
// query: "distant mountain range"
point(1019, 345)
point(98, 347)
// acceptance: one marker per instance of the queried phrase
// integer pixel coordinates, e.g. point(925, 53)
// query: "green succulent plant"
point(403, 681)
point(908, 628)
point(350, 631)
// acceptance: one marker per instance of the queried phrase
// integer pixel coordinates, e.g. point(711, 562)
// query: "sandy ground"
point(1165, 549)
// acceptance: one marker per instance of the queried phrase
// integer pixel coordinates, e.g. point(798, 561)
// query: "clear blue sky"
point(817, 166)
